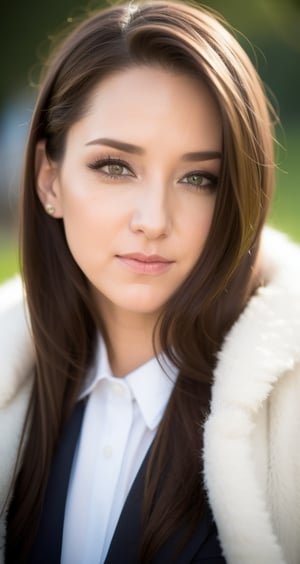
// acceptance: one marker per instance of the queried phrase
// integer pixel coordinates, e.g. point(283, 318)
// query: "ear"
point(47, 181)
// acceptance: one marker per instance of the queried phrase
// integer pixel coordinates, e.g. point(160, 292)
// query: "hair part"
point(179, 38)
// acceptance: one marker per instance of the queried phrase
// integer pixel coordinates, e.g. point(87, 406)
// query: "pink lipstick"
point(145, 264)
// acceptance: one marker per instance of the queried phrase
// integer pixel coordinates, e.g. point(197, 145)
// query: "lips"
point(145, 258)
point(145, 264)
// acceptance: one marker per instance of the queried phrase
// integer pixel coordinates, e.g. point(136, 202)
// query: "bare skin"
point(136, 190)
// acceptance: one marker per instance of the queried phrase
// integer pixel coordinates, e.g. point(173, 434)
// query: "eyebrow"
point(121, 145)
point(202, 156)
point(134, 149)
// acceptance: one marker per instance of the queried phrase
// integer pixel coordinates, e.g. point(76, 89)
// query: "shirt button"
point(107, 451)
point(118, 389)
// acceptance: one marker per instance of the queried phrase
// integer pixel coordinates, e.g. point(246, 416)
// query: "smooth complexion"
point(136, 190)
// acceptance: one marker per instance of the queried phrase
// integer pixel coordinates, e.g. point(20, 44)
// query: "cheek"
point(80, 225)
point(80, 208)
point(89, 205)
point(91, 225)
point(198, 224)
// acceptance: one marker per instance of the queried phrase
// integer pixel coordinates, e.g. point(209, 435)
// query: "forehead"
point(143, 103)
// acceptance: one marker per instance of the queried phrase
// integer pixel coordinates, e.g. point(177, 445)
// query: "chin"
point(143, 309)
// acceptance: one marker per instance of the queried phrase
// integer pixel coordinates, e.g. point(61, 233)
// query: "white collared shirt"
point(119, 425)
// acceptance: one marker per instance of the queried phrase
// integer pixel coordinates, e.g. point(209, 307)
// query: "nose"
point(152, 212)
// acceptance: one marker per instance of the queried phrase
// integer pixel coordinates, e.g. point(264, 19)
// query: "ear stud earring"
point(50, 209)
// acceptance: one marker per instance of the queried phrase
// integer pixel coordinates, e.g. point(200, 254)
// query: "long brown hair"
point(185, 39)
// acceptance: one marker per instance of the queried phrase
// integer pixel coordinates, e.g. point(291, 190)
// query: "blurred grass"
point(9, 259)
point(285, 214)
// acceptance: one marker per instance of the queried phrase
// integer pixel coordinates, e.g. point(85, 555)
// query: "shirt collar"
point(150, 384)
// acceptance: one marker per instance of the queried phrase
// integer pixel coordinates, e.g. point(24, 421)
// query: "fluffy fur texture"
point(251, 448)
point(252, 436)
point(17, 359)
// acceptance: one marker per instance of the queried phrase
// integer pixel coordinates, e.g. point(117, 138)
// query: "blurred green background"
point(269, 30)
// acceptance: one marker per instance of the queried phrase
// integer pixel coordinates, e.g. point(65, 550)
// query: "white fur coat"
point(252, 436)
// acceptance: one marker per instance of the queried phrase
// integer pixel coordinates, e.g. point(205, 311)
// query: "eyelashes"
point(115, 168)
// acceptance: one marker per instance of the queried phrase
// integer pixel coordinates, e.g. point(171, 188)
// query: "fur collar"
point(263, 344)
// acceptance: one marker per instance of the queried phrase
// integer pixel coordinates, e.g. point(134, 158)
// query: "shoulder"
point(264, 342)
point(258, 372)
point(16, 349)
point(17, 359)
point(280, 258)
point(260, 356)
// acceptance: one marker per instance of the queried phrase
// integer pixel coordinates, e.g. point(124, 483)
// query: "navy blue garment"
point(202, 548)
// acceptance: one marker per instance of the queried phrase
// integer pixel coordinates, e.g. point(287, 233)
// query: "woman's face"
point(137, 185)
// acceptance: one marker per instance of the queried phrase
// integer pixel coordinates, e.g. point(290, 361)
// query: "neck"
point(130, 337)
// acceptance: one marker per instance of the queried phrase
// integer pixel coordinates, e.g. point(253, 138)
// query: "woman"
point(150, 413)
